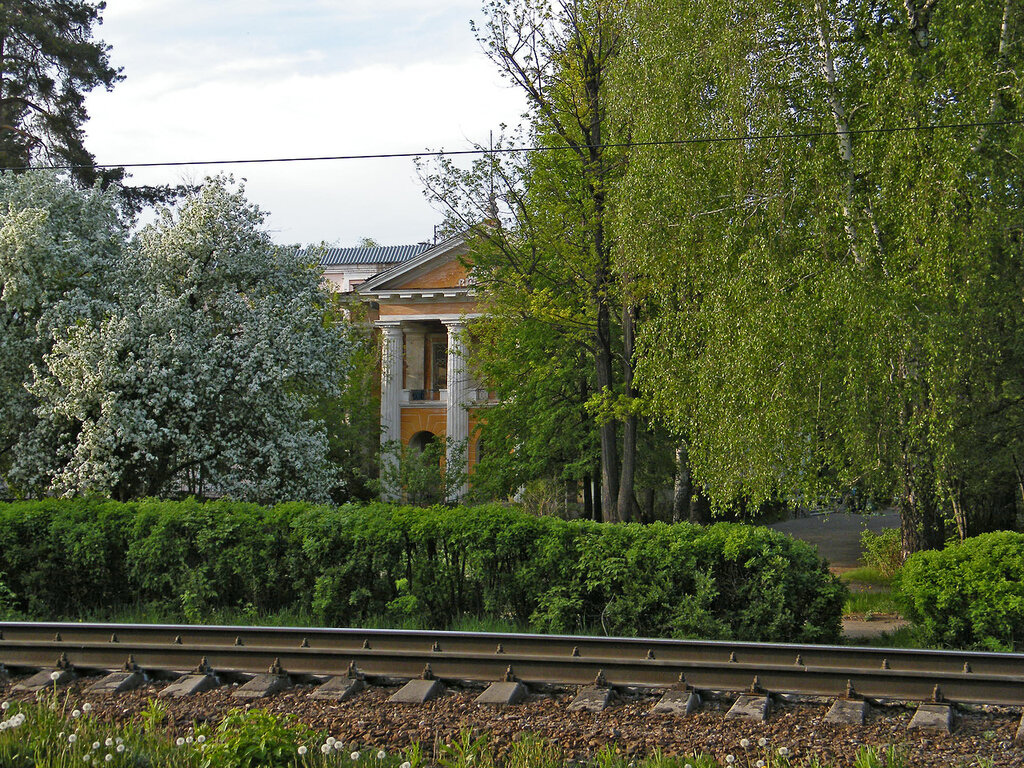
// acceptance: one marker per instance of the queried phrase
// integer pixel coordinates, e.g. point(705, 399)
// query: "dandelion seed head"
point(745, 743)
point(179, 741)
point(76, 713)
point(120, 747)
point(354, 755)
point(783, 751)
point(381, 754)
point(762, 742)
point(325, 748)
point(87, 707)
point(302, 750)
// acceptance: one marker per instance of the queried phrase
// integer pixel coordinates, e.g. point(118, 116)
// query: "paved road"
point(837, 535)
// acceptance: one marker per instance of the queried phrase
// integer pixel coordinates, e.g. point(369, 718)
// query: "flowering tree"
point(199, 377)
point(58, 247)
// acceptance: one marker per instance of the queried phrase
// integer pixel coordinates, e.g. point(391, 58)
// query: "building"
point(427, 391)
point(348, 268)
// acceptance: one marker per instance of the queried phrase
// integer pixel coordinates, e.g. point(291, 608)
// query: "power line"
point(520, 150)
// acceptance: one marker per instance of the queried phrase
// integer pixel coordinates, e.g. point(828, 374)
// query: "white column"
point(390, 405)
point(457, 414)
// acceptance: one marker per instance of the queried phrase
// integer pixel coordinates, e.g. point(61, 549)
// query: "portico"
point(426, 387)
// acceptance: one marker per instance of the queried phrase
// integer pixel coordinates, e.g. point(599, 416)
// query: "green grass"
point(870, 602)
point(56, 734)
point(866, 574)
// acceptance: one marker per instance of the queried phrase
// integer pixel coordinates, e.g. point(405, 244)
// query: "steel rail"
point(967, 677)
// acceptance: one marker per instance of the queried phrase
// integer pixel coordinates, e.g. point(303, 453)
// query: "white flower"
point(381, 755)
point(189, 739)
point(109, 757)
point(87, 707)
point(109, 742)
point(200, 738)
point(330, 741)
point(339, 745)
point(302, 750)
point(406, 764)
point(120, 748)
point(54, 675)
point(687, 766)
point(72, 738)
point(4, 706)
point(762, 742)
point(87, 757)
point(730, 759)
point(745, 743)
point(354, 755)
point(325, 748)
point(783, 751)
point(759, 764)
point(76, 713)
point(179, 741)
point(4, 725)
point(95, 745)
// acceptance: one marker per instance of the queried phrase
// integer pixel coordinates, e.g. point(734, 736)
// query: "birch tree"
point(838, 306)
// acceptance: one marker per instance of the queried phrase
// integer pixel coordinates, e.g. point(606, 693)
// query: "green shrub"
point(883, 551)
point(429, 567)
point(968, 595)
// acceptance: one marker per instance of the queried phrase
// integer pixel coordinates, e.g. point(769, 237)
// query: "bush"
point(883, 551)
point(431, 567)
point(968, 595)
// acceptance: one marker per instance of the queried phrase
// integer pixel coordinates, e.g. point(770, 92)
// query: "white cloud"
point(209, 81)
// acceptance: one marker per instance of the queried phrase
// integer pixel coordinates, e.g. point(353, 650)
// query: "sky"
point(239, 79)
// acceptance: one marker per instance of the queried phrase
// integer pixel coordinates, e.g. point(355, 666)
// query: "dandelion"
point(4, 706)
point(120, 748)
point(87, 758)
point(302, 750)
point(179, 741)
point(76, 713)
point(759, 764)
point(189, 739)
point(745, 743)
point(730, 759)
point(762, 742)
point(54, 675)
point(109, 742)
point(687, 766)
point(339, 745)
point(4, 725)
point(108, 757)
point(200, 738)
point(381, 755)
point(119, 740)
point(406, 764)
point(783, 751)
point(72, 738)
point(354, 756)
point(87, 707)
point(95, 745)
point(330, 741)
point(325, 749)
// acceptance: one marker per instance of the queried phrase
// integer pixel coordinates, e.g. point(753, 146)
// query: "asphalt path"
point(837, 535)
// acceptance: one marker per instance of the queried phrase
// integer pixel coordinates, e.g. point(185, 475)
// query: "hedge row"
point(346, 565)
point(968, 595)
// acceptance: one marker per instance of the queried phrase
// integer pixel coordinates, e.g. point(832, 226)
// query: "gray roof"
point(386, 254)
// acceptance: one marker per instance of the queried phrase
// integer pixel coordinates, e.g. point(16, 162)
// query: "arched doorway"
point(422, 476)
point(421, 440)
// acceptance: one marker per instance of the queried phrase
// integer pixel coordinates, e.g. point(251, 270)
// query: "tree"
point(546, 252)
point(835, 308)
point(200, 375)
point(59, 246)
point(48, 62)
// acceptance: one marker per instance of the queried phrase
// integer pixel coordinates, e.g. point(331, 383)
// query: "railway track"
point(535, 660)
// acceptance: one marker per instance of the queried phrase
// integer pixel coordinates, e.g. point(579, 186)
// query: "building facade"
point(427, 390)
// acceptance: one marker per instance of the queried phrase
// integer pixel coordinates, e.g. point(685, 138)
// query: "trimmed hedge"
point(968, 595)
point(346, 565)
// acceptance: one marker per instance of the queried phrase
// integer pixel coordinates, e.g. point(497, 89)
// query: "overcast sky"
point(236, 79)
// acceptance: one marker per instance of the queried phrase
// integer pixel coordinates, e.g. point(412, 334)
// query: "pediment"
point(439, 268)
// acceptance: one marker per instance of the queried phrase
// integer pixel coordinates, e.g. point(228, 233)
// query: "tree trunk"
point(598, 496)
point(921, 524)
point(588, 498)
point(626, 479)
point(683, 489)
point(609, 447)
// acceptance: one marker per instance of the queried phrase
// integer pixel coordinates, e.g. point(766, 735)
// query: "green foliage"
point(430, 566)
point(968, 595)
point(255, 739)
point(883, 551)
